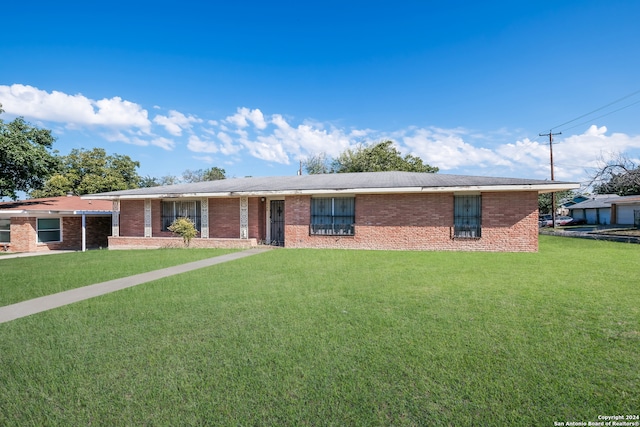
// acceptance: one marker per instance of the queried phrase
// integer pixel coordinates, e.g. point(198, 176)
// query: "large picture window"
point(5, 230)
point(49, 230)
point(174, 209)
point(467, 217)
point(332, 216)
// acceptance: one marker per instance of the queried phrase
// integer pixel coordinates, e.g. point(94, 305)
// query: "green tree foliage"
point(151, 181)
point(91, 171)
point(200, 175)
point(26, 157)
point(184, 228)
point(382, 156)
point(545, 201)
point(317, 164)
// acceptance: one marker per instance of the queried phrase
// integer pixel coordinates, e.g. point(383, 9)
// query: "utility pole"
point(553, 195)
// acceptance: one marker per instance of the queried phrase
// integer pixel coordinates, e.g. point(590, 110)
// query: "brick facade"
point(410, 221)
point(422, 222)
point(24, 235)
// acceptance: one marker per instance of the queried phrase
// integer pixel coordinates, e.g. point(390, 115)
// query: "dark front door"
point(277, 222)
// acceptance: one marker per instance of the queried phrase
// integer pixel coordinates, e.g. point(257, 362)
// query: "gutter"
point(542, 188)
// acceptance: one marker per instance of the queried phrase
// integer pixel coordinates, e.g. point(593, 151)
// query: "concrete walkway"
point(37, 305)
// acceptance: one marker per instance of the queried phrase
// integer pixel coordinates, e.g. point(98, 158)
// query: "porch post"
point(204, 218)
point(244, 217)
point(147, 217)
point(115, 218)
point(84, 232)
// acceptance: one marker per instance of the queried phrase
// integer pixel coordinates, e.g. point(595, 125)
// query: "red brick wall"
point(422, 222)
point(132, 218)
point(392, 221)
point(224, 218)
point(177, 242)
point(24, 234)
point(257, 218)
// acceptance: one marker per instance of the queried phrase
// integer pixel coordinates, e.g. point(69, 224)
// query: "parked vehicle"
point(542, 220)
point(577, 222)
point(560, 220)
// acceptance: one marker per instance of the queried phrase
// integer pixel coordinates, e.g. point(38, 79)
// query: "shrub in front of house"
point(184, 228)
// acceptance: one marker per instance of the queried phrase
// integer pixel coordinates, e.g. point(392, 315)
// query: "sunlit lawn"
point(32, 277)
point(329, 337)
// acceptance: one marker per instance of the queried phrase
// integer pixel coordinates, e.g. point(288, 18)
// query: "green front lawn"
point(32, 277)
point(329, 337)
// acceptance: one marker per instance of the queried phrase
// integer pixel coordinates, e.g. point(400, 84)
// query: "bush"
point(184, 228)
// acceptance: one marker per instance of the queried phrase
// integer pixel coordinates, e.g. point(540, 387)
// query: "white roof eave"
point(540, 188)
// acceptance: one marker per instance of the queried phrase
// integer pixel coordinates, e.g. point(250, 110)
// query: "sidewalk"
point(37, 305)
point(28, 254)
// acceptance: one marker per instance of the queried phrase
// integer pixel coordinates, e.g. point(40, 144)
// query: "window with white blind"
point(174, 209)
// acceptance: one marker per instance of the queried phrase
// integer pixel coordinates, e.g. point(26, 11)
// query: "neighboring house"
point(627, 210)
point(51, 223)
point(375, 210)
point(605, 209)
point(565, 205)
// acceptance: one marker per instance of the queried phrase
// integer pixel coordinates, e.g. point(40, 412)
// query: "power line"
point(599, 109)
point(602, 115)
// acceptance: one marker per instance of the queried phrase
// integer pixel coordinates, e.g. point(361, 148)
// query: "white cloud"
point(164, 143)
point(244, 115)
point(176, 122)
point(300, 141)
point(197, 145)
point(74, 110)
point(447, 148)
point(278, 139)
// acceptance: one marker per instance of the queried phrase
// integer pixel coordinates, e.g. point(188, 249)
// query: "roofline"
point(540, 188)
point(16, 212)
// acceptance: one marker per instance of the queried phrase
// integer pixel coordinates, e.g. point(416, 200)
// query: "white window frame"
point(38, 230)
point(6, 232)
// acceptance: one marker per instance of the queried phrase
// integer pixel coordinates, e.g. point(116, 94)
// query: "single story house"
point(54, 223)
point(605, 209)
point(372, 210)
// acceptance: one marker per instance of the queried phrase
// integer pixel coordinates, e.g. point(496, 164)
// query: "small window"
point(172, 210)
point(333, 216)
point(467, 217)
point(5, 230)
point(49, 230)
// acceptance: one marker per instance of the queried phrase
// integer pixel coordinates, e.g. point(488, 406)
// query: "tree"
point(184, 228)
point(150, 181)
point(91, 171)
point(317, 164)
point(382, 156)
point(618, 175)
point(200, 175)
point(26, 157)
point(545, 202)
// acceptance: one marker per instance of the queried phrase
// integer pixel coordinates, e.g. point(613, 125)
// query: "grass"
point(312, 337)
point(32, 277)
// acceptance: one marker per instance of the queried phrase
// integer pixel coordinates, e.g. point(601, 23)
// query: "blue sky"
point(253, 87)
